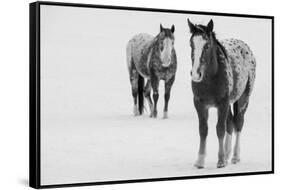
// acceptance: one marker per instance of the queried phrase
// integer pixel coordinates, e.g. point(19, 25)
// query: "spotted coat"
point(241, 65)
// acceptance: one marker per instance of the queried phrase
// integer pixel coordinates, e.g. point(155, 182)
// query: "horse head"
point(165, 44)
point(203, 50)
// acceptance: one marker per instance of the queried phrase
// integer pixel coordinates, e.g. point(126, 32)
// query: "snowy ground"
point(88, 131)
point(112, 144)
point(126, 148)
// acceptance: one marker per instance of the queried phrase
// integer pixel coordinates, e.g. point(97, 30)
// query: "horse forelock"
point(201, 28)
point(165, 33)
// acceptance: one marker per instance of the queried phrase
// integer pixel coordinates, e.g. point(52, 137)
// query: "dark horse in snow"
point(152, 59)
point(223, 74)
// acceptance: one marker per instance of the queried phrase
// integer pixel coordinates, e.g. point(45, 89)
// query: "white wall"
point(14, 92)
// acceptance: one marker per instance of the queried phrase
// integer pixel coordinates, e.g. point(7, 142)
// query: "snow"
point(121, 146)
point(88, 131)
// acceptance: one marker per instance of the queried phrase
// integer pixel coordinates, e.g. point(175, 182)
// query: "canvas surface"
point(88, 131)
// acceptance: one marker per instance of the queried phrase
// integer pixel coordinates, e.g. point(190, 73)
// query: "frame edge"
point(179, 11)
point(34, 95)
point(34, 128)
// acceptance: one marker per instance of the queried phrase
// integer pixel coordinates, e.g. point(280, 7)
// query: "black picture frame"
point(34, 93)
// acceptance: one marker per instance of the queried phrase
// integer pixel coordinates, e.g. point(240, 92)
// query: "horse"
point(223, 75)
point(149, 60)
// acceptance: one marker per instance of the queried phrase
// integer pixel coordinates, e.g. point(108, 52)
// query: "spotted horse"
point(151, 59)
point(223, 74)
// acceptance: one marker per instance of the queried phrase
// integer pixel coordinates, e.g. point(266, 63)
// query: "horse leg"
point(228, 138)
point(147, 90)
point(168, 86)
point(240, 107)
point(155, 85)
point(134, 76)
point(202, 112)
point(221, 127)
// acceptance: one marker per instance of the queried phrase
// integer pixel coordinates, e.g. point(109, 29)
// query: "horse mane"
point(149, 48)
point(223, 50)
point(201, 28)
point(156, 38)
point(154, 42)
point(220, 45)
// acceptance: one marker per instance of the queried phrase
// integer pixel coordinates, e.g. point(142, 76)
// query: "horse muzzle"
point(196, 76)
point(167, 62)
point(166, 65)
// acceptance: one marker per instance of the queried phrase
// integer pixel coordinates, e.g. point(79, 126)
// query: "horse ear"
point(210, 26)
point(161, 28)
point(192, 27)
point(173, 29)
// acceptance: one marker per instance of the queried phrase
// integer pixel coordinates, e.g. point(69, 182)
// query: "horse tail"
point(140, 94)
point(130, 65)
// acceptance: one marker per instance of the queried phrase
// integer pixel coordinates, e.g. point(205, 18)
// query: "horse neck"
point(154, 47)
point(149, 47)
point(149, 51)
point(213, 60)
point(217, 59)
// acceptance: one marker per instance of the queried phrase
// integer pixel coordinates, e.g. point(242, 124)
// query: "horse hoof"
point(200, 162)
point(165, 115)
point(235, 160)
point(136, 111)
point(221, 164)
point(198, 166)
point(227, 157)
point(154, 114)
